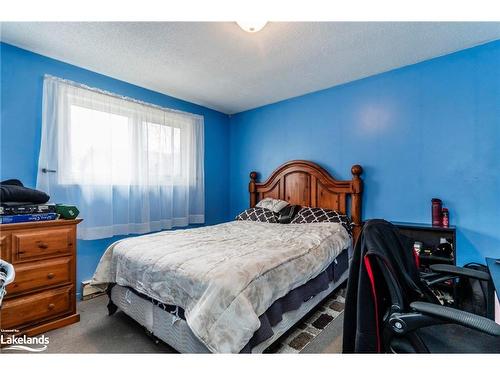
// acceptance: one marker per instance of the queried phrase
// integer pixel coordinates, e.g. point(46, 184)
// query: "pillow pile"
point(322, 215)
point(270, 210)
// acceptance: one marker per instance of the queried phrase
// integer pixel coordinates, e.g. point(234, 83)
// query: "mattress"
point(226, 276)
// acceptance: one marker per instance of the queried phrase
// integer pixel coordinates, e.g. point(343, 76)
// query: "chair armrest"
point(463, 318)
point(435, 278)
point(460, 271)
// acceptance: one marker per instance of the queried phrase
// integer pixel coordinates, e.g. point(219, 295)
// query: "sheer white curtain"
point(128, 166)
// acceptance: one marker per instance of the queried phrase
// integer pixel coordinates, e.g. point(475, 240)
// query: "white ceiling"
point(222, 67)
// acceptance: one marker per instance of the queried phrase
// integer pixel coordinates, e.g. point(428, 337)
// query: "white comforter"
point(224, 276)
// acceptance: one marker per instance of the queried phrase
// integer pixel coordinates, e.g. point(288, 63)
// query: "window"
point(91, 133)
point(140, 164)
point(96, 136)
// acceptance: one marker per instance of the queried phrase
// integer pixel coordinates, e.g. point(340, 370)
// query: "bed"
point(237, 286)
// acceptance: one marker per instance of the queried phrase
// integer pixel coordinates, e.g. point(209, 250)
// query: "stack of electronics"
point(428, 254)
point(19, 204)
point(16, 212)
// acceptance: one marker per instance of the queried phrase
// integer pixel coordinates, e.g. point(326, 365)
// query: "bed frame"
point(307, 184)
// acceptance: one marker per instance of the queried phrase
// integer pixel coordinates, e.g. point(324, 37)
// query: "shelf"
point(430, 236)
point(422, 226)
point(435, 259)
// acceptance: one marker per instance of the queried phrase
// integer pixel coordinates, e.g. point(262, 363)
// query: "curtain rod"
point(117, 96)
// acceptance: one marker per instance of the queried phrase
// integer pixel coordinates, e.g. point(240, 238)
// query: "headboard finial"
point(357, 170)
point(252, 189)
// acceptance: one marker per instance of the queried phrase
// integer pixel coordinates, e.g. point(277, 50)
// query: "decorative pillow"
point(322, 215)
point(272, 204)
point(261, 214)
point(288, 213)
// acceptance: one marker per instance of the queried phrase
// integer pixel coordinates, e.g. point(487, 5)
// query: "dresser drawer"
point(36, 307)
point(31, 276)
point(46, 243)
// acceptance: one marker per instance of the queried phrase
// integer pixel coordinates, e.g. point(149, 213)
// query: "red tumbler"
point(437, 205)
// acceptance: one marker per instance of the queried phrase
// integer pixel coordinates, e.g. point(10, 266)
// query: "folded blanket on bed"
point(223, 276)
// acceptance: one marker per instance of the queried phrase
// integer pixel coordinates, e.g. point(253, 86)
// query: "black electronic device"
point(15, 208)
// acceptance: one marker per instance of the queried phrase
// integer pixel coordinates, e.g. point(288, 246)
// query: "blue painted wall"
point(21, 104)
point(427, 130)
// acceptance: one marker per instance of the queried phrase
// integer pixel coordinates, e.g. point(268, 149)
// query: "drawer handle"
point(43, 245)
point(51, 306)
point(50, 275)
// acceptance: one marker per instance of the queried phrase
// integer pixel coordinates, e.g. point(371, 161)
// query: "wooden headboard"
point(307, 184)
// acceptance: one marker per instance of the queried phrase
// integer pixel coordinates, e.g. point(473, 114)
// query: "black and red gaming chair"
point(399, 313)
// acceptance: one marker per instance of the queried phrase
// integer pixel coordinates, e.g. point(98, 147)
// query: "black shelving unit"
point(430, 235)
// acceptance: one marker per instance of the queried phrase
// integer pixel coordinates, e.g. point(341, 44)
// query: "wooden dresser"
point(42, 296)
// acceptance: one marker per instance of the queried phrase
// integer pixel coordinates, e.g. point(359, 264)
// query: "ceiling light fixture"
point(251, 26)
